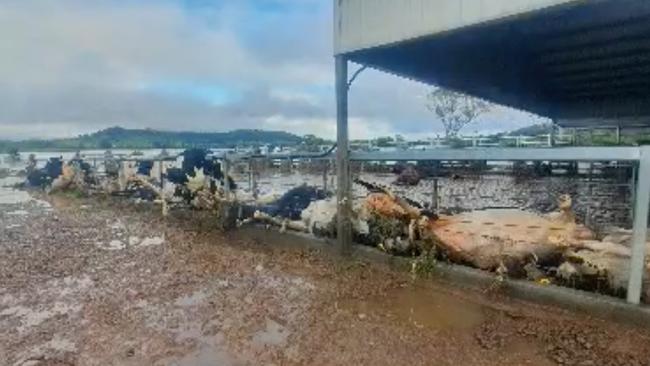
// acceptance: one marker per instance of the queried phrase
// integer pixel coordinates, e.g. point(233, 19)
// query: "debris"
point(176, 176)
point(13, 156)
point(601, 263)
point(126, 173)
point(386, 206)
point(567, 271)
point(544, 281)
point(115, 245)
point(197, 181)
point(283, 223)
point(145, 167)
point(74, 175)
point(408, 177)
point(195, 159)
point(4, 173)
point(65, 180)
point(533, 272)
point(153, 241)
point(198, 172)
point(111, 165)
point(146, 190)
point(31, 163)
point(320, 217)
point(42, 178)
point(294, 202)
point(411, 208)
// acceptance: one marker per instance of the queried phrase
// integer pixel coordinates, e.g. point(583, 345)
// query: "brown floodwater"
point(205, 356)
point(423, 307)
point(211, 352)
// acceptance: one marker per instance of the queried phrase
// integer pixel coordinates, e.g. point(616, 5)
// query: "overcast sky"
point(75, 66)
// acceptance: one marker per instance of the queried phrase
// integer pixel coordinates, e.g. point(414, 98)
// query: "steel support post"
point(344, 199)
point(434, 199)
point(639, 237)
point(162, 175)
point(325, 173)
point(250, 175)
point(225, 169)
point(574, 137)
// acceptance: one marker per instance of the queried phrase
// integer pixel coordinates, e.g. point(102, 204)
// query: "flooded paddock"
point(105, 280)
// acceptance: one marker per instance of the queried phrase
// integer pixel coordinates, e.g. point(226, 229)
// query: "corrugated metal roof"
point(586, 61)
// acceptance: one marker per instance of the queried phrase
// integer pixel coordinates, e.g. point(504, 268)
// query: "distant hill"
point(534, 130)
point(117, 137)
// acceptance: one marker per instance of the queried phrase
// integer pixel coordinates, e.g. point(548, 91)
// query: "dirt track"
point(109, 283)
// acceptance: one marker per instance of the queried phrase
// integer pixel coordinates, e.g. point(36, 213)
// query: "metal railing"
point(638, 155)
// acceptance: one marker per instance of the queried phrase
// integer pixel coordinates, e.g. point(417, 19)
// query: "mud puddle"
point(205, 356)
point(424, 308)
point(528, 353)
point(11, 196)
point(211, 352)
point(275, 334)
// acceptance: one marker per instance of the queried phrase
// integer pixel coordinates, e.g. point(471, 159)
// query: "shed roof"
point(579, 62)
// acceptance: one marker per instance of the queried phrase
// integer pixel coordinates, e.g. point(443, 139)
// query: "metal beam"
point(595, 65)
point(598, 96)
point(631, 125)
point(601, 52)
point(578, 17)
point(598, 35)
point(626, 105)
point(607, 74)
point(639, 236)
point(640, 81)
point(504, 154)
point(344, 188)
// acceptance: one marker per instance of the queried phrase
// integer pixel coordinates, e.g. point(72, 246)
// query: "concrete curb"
point(591, 304)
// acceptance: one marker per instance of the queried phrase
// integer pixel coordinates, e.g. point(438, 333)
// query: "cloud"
point(71, 66)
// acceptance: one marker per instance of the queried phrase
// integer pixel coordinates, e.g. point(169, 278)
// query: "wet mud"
point(105, 282)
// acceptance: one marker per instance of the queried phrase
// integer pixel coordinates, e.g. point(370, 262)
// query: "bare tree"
point(455, 110)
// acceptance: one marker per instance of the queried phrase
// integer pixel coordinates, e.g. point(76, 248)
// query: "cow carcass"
point(294, 202)
point(602, 265)
point(44, 177)
point(487, 239)
point(211, 177)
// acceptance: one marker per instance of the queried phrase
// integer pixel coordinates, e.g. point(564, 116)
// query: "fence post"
point(250, 174)
point(162, 175)
point(343, 189)
point(640, 233)
point(325, 174)
point(253, 172)
point(434, 199)
point(226, 185)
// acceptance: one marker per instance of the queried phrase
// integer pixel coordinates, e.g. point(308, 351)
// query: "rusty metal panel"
point(361, 24)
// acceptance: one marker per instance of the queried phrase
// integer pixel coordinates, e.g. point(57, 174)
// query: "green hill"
point(534, 130)
point(117, 137)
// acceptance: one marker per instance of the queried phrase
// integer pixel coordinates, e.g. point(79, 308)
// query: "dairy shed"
point(580, 63)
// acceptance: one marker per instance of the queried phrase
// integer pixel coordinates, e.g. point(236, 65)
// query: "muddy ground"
point(105, 282)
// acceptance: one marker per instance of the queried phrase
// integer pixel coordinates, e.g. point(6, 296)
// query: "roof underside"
point(583, 63)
